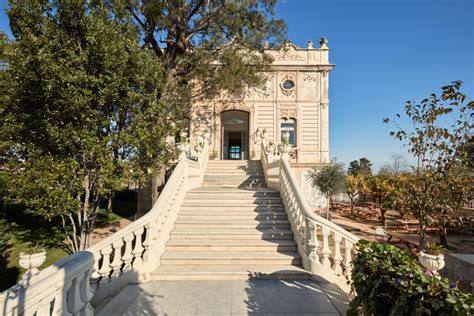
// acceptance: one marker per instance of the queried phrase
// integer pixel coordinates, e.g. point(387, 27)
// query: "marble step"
point(241, 233)
point(234, 162)
point(234, 185)
point(237, 197)
point(230, 272)
point(250, 208)
point(230, 245)
point(232, 201)
point(186, 224)
point(228, 257)
point(195, 216)
point(231, 194)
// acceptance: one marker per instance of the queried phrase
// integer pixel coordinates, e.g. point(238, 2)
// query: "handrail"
point(128, 255)
point(138, 246)
point(326, 248)
point(305, 207)
point(60, 289)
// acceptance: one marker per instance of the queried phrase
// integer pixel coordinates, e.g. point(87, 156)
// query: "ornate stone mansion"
point(294, 100)
point(242, 216)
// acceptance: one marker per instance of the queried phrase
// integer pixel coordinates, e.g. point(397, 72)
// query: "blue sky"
point(386, 52)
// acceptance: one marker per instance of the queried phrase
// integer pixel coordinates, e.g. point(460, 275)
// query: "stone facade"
point(294, 97)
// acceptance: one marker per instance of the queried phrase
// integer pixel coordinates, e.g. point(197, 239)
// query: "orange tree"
point(356, 185)
point(440, 128)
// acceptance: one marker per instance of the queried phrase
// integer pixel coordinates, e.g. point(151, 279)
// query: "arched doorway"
point(235, 135)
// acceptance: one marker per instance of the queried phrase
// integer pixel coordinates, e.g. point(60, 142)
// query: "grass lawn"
point(27, 231)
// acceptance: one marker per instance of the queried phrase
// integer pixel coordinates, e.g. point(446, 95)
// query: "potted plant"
point(284, 146)
point(31, 259)
point(270, 148)
point(183, 145)
point(262, 134)
point(432, 257)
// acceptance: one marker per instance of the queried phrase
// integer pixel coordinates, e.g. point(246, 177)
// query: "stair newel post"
point(326, 251)
point(74, 301)
point(348, 245)
point(138, 249)
point(63, 301)
point(86, 293)
point(105, 268)
point(44, 307)
point(337, 253)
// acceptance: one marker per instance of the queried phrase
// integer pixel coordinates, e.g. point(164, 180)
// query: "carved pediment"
point(289, 52)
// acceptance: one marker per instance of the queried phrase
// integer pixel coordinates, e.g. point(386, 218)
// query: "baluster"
point(86, 294)
point(95, 272)
point(149, 241)
point(105, 268)
point(43, 307)
point(74, 301)
point(60, 301)
point(138, 249)
point(116, 263)
point(307, 245)
point(313, 243)
point(337, 253)
point(348, 257)
point(127, 256)
point(326, 251)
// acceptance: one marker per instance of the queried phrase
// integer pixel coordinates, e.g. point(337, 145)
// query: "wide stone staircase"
point(232, 227)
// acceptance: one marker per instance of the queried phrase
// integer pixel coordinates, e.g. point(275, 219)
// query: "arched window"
point(288, 125)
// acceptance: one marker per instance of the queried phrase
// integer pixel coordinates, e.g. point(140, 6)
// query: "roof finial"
point(323, 42)
point(310, 44)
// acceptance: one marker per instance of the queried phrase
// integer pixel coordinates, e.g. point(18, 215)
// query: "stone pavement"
point(243, 297)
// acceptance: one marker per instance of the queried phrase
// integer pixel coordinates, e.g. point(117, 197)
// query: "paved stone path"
point(254, 297)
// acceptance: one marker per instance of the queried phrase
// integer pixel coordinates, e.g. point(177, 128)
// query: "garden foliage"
point(387, 281)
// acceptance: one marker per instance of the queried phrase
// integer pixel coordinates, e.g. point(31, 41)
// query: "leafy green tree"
point(362, 166)
point(386, 191)
point(437, 137)
point(206, 48)
point(191, 37)
point(79, 111)
point(355, 187)
point(330, 179)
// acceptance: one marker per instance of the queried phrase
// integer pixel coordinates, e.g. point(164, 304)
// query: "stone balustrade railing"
point(326, 248)
point(75, 282)
point(61, 289)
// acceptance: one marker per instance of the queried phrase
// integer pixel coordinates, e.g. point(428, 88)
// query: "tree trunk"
point(443, 236)
point(352, 206)
point(327, 210)
point(421, 245)
point(157, 183)
point(110, 203)
point(383, 217)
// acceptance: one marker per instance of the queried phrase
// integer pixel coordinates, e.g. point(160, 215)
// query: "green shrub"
point(4, 237)
point(387, 281)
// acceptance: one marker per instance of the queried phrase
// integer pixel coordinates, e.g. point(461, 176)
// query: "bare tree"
point(397, 165)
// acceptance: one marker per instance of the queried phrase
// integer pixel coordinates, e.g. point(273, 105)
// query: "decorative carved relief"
point(288, 52)
point(287, 113)
point(287, 84)
point(324, 103)
point(311, 77)
point(324, 73)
